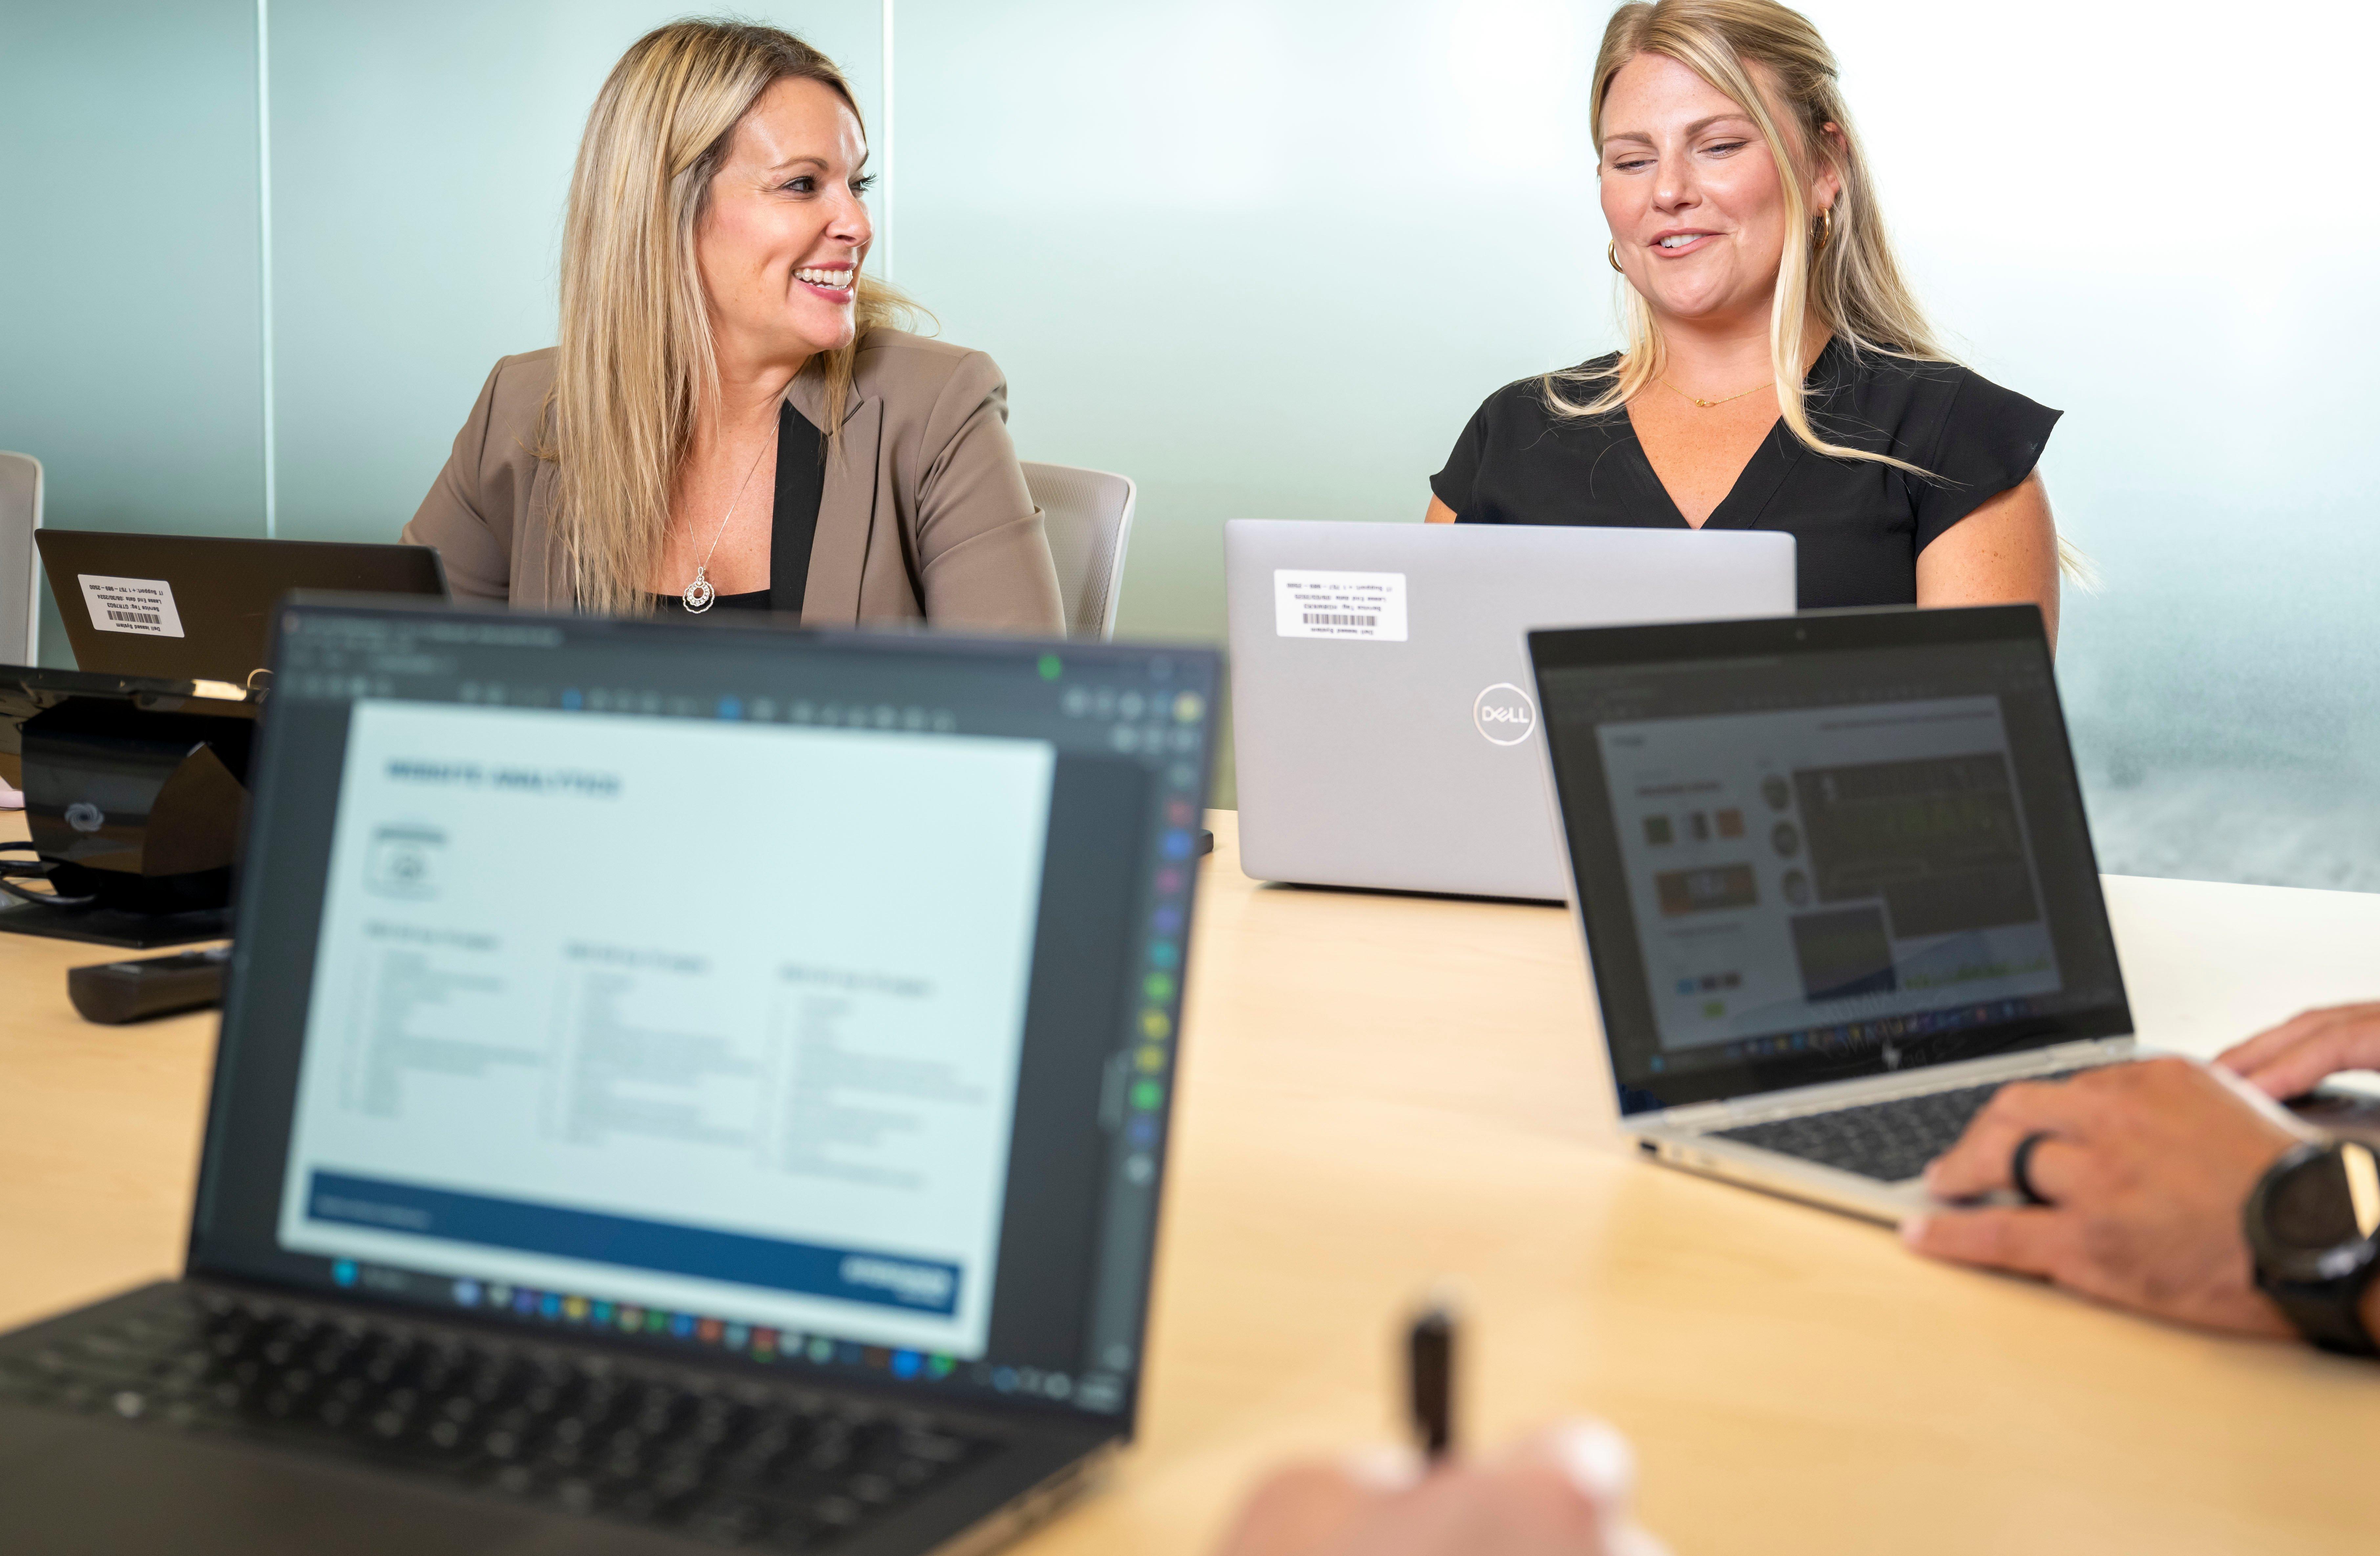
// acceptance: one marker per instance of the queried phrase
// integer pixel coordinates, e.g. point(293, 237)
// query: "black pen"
point(1429, 1380)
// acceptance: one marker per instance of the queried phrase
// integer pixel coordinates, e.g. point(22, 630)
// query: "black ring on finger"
point(2020, 1166)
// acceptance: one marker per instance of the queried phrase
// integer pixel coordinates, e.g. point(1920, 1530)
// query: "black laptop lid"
point(803, 1000)
point(200, 607)
point(1824, 846)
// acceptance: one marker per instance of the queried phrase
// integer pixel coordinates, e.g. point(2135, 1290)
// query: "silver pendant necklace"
point(701, 591)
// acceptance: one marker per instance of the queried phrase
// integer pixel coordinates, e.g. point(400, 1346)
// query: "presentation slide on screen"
point(1822, 866)
point(707, 1016)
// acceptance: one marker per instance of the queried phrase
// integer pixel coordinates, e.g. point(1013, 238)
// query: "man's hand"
point(2288, 1060)
point(1563, 1492)
point(2146, 1166)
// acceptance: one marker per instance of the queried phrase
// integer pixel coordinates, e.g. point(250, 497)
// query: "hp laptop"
point(1836, 886)
point(1384, 728)
point(200, 607)
point(679, 1086)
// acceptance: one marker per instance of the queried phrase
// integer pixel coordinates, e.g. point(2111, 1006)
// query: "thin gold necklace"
point(1705, 404)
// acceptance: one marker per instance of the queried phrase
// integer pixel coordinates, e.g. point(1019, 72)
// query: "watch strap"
point(2328, 1315)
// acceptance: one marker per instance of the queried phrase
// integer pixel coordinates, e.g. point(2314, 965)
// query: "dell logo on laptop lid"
point(1504, 713)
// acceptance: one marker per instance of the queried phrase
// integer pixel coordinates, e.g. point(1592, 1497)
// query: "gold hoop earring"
point(1826, 230)
point(1611, 253)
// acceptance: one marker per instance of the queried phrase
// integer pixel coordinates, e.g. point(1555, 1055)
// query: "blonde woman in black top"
point(1778, 375)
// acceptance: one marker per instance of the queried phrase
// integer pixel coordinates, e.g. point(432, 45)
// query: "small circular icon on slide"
point(83, 815)
point(1504, 713)
point(1786, 838)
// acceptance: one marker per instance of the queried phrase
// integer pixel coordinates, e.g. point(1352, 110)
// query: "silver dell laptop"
point(1836, 884)
point(1379, 689)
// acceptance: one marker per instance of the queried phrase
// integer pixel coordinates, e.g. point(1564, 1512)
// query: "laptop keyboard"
point(734, 1463)
point(1885, 1140)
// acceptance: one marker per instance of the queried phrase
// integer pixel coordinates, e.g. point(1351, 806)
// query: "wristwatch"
point(2314, 1224)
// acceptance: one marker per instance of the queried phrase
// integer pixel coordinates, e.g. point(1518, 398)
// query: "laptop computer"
point(1381, 717)
point(200, 607)
point(678, 1084)
point(1836, 886)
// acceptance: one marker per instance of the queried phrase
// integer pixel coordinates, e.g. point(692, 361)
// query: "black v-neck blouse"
point(1857, 526)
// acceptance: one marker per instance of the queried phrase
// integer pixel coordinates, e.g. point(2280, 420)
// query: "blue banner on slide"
point(846, 1274)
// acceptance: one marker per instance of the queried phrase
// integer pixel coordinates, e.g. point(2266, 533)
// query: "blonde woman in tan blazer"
point(729, 419)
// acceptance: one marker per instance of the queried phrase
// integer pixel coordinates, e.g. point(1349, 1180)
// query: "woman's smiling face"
point(1695, 201)
point(786, 229)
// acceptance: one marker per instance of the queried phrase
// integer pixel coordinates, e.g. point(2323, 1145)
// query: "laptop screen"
point(1826, 847)
point(806, 998)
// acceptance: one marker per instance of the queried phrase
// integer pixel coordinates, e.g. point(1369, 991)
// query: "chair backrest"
point(1088, 516)
point(20, 598)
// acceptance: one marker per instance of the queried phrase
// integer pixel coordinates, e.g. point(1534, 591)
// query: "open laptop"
point(200, 607)
point(1382, 721)
point(678, 1084)
point(1836, 885)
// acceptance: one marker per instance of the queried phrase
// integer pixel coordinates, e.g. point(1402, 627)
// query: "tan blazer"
point(925, 514)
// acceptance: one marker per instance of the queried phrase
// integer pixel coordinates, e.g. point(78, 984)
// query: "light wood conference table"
point(1379, 1092)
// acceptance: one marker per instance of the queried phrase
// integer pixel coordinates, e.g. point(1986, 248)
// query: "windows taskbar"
point(706, 1334)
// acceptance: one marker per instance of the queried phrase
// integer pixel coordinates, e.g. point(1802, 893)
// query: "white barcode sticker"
point(1311, 604)
point(142, 605)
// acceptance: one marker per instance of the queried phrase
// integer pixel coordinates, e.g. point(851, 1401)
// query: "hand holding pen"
point(1564, 1491)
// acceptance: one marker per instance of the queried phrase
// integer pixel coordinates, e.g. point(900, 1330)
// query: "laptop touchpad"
point(115, 1490)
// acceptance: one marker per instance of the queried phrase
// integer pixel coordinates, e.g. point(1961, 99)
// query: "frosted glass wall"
point(1265, 259)
point(129, 361)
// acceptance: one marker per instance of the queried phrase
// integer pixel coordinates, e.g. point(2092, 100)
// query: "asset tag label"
point(1312, 603)
point(140, 605)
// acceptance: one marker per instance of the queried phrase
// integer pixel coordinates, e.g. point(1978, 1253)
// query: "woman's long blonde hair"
point(635, 363)
point(1841, 271)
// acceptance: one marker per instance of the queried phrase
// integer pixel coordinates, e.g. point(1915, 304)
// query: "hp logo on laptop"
point(1504, 713)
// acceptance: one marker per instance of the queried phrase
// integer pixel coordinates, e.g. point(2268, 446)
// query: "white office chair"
point(21, 590)
point(1088, 516)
